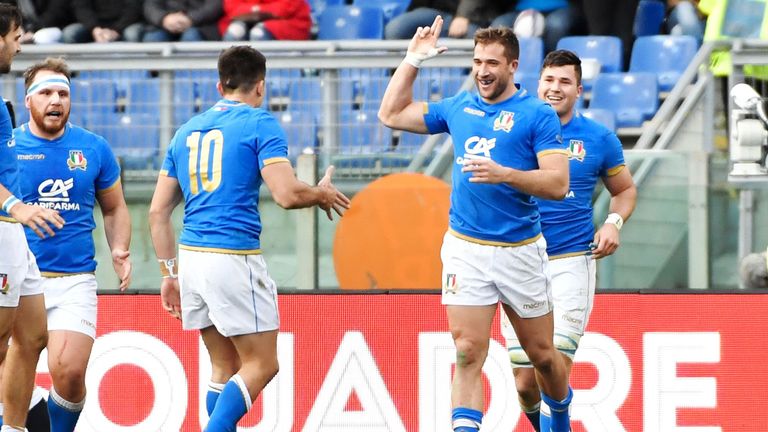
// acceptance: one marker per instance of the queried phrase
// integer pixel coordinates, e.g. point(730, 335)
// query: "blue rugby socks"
point(214, 390)
point(231, 406)
point(559, 410)
point(466, 420)
point(63, 413)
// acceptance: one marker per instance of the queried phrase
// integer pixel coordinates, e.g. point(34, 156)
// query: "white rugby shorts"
point(19, 275)
point(479, 275)
point(232, 292)
point(573, 290)
point(70, 302)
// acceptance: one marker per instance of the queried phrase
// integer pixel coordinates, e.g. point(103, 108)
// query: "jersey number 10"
point(209, 175)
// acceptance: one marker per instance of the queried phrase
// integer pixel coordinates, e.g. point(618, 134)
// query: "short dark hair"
point(563, 58)
point(10, 18)
point(57, 65)
point(240, 68)
point(503, 35)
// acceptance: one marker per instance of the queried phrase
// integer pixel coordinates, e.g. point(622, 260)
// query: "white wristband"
point(616, 219)
point(416, 59)
point(9, 203)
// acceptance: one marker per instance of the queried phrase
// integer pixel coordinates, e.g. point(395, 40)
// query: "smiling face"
point(493, 72)
point(48, 107)
point(560, 87)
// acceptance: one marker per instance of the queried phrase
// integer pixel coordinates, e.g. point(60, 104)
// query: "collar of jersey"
point(67, 127)
point(230, 102)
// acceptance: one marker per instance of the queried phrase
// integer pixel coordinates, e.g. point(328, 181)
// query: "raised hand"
point(334, 200)
point(423, 45)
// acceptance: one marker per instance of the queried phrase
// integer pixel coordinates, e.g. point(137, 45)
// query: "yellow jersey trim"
point(493, 243)
point(426, 107)
point(164, 172)
point(549, 152)
point(221, 250)
point(59, 274)
point(109, 188)
point(270, 161)
point(567, 255)
point(615, 170)
point(8, 219)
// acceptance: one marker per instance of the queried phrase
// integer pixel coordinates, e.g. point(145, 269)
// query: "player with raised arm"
point(216, 163)
point(507, 148)
point(69, 169)
point(20, 281)
point(572, 243)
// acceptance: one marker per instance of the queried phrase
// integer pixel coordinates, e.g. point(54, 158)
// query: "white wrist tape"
point(616, 219)
point(9, 203)
point(416, 59)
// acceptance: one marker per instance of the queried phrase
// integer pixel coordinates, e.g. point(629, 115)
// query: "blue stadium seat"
point(183, 100)
point(606, 50)
point(134, 138)
point(279, 82)
point(306, 96)
point(350, 22)
point(531, 55)
point(632, 97)
point(390, 8)
point(144, 97)
point(528, 82)
point(360, 132)
point(649, 17)
point(664, 55)
point(19, 109)
point(362, 89)
point(433, 84)
point(90, 99)
point(300, 130)
point(318, 6)
point(602, 116)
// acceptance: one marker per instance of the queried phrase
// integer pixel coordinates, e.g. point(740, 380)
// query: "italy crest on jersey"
point(576, 150)
point(76, 160)
point(4, 285)
point(504, 121)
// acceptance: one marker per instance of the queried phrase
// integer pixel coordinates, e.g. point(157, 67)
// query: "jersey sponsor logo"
point(30, 157)
point(4, 285)
point(12, 142)
point(54, 194)
point(570, 194)
point(77, 160)
point(475, 112)
point(449, 284)
point(477, 147)
point(576, 150)
point(504, 121)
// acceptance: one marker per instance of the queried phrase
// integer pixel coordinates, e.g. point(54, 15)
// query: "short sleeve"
point(169, 163)
point(109, 172)
point(271, 143)
point(436, 115)
point(614, 155)
point(547, 133)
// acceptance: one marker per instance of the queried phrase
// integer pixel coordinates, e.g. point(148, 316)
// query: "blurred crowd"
point(85, 21)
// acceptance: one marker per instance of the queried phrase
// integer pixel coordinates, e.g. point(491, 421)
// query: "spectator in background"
point(265, 20)
point(105, 21)
point(560, 17)
point(612, 18)
point(461, 17)
point(182, 20)
point(684, 18)
point(43, 19)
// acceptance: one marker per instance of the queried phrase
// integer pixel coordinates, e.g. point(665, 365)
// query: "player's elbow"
point(157, 215)
point(560, 186)
point(386, 117)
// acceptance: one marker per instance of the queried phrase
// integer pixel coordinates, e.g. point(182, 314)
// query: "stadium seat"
point(664, 55)
point(632, 97)
point(360, 132)
point(531, 55)
point(183, 100)
point(649, 17)
point(350, 22)
point(300, 130)
point(602, 116)
point(306, 96)
point(528, 82)
point(134, 138)
point(19, 109)
point(90, 99)
point(144, 97)
point(390, 8)
point(606, 50)
point(362, 89)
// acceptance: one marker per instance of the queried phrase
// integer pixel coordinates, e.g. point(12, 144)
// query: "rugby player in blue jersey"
point(507, 148)
point(572, 243)
point(68, 169)
point(216, 163)
point(20, 281)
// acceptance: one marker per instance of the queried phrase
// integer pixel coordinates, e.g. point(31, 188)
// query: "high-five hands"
point(423, 45)
point(334, 200)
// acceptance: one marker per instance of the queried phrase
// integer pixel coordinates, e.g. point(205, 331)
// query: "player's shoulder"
point(80, 135)
point(592, 126)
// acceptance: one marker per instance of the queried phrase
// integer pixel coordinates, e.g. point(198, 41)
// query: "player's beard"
point(50, 127)
point(497, 89)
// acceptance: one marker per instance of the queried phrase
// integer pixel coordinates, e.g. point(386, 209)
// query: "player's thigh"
point(239, 294)
point(470, 325)
point(258, 347)
point(68, 352)
point(465, 277)
point(30, 326)
point(13, 264)
point(532, 334)
point(573, 290)
point(71, 303)
point(522, 276)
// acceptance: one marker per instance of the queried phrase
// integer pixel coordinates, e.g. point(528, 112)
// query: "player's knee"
point(69, 381)
point(567, 343)
point(542, 359)
point(470, 351)
point(527, 388)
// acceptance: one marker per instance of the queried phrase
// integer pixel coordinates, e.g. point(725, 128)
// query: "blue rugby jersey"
point(9, 170)
point(594, 152)
point(513, 133)
point(65, 174)
point(217, 157)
